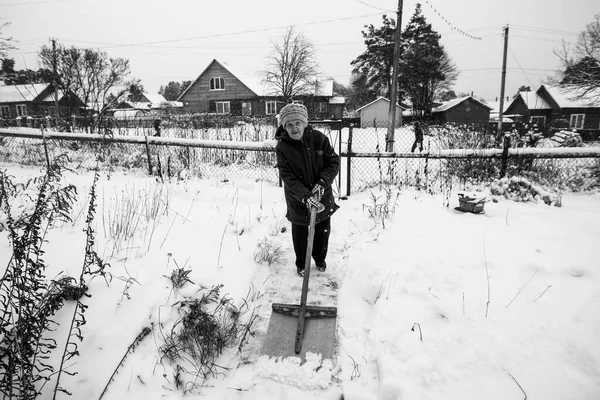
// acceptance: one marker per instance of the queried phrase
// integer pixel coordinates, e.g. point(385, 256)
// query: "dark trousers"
point(320, 244)
point(414, 146)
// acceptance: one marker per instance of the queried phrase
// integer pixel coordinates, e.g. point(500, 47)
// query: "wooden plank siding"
point(468, 111)
point(200, 99)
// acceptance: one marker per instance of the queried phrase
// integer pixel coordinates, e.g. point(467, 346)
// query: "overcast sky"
point(175, 40)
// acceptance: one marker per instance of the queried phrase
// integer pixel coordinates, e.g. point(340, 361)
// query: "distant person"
point(418, 137)
point(157, 127)
point(307, 164)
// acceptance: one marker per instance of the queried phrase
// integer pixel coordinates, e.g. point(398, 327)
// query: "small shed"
point(129, 113)
point(376, 114)
point(463, 110)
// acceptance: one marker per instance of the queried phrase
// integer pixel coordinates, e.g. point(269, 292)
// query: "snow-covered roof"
point(495, 106)
point(155, 98)
point(51, 96)
point(376, 101)
point(567, 97)
point(533, 101)
point(454, 102)
point(21, 93)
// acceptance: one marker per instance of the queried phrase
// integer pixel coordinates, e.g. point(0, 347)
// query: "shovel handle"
point(309, 247)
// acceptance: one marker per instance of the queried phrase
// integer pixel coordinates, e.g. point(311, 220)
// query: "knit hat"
point(293, 111)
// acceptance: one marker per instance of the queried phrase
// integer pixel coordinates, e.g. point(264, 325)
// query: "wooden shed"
point(376, 114)
point(463, 110)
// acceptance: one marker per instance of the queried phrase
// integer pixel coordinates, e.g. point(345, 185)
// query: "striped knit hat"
point(293, 111)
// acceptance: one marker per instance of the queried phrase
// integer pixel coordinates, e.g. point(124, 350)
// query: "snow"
point(433, 303)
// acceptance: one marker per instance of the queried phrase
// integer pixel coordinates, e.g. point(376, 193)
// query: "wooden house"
point(220, 90)
point(36, 100)
point(462, 110)
point(549, 104)
point(376, 113)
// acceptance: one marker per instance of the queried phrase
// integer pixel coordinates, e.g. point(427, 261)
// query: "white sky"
point(176, 39)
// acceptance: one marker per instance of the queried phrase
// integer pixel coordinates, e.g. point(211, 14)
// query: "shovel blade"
point(319, 336)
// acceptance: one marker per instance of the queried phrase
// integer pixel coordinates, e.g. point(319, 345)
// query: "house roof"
point(495, 106)
point(21, 93)
point(567, 97)
point(256, 84)
point(51, 96)
point(455, 102)
point(376, 101)
point(155, 98)
point(534, 101)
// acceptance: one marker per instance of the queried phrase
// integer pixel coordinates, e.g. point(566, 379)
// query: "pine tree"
point(425, 69)
point(374, 66)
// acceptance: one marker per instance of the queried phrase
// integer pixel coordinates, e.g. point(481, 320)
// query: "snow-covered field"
point(432, 303)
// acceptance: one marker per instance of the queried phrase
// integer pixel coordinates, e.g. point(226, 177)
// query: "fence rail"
point(168, 156)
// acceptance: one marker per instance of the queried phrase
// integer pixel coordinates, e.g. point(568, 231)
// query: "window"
point(322, 107)
point(4, 112)
point(538, 120)
point(222, 107)
point(246, 108)
point(217, 84)
point(577, 121)
point(21, 110)
point(271, 107)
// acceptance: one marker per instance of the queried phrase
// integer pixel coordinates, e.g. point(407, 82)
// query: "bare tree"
point(291, 68)
point(6, 43)
point(89, 73)
point(581, 65)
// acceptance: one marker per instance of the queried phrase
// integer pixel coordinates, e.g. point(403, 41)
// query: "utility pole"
point(501, 111)
point(54, 80)
point(389, 140)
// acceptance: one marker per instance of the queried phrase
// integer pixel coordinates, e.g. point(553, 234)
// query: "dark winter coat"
point(302, 164)
point(418, 132)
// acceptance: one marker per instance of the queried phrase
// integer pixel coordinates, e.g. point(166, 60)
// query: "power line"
point(452, 26)
point(375, 7)
point(551, 31)
point(240, 32)
point(519, 64)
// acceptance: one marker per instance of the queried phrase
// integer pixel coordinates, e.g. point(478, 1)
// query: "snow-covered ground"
point(432, 303)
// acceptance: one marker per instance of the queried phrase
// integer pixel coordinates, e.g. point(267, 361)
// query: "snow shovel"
point(295, 329)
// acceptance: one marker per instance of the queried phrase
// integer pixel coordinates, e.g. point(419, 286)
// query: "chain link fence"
point(206, 147)
point(469, 155)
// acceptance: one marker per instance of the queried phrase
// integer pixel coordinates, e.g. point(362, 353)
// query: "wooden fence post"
point(349, 160)
point(148, 154)
point(341, 128)
point(45, 147)
point(506, 146)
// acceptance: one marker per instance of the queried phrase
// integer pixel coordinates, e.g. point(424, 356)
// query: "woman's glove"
point(318, 191)
point(311, 202)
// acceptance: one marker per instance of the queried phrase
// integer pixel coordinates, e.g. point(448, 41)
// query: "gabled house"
point(549, 104)
point(220, 90)
point(36, 100)
point(376, 113)
point(463, 110)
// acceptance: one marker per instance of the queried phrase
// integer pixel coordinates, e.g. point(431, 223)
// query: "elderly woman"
point(307, 165)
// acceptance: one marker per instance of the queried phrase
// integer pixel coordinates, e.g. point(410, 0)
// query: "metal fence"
point(466, 155)
point(452, 156)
